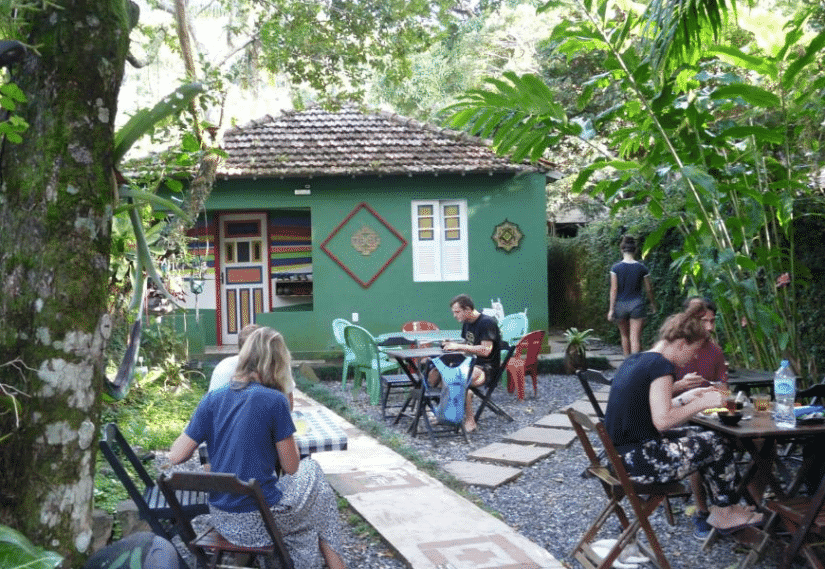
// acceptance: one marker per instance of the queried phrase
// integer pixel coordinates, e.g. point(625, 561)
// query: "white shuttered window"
point(439, 241)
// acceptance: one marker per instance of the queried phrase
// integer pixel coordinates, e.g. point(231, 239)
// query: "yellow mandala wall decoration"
point(507, 235)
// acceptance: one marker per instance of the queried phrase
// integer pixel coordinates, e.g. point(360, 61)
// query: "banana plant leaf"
point(118, 387)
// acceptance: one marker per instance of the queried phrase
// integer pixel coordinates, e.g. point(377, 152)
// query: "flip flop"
point(751, 523)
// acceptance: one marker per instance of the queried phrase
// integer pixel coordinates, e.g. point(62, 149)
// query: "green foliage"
point(17, 552)
point(718, 150)
point(14, 126)
point(145, 120)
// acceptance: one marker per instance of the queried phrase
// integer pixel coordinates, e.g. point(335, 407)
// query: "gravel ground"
point(550, 503)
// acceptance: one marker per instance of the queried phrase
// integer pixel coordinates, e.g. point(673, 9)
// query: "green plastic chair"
point(338, 326)
point(368, 360)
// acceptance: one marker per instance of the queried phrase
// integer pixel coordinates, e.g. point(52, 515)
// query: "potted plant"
point(575, 355)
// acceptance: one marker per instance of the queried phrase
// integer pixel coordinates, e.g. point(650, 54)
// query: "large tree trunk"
point(56, 199)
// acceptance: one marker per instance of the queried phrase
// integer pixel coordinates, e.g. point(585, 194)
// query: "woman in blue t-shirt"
point(646, 423)
point(628, 278)
point(248, 430)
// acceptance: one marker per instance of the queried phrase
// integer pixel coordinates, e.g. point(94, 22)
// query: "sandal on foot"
point(754, 520)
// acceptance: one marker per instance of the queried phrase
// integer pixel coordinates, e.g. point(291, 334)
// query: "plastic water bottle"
point(784, 388)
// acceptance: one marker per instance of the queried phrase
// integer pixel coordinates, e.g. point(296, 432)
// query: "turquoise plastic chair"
point(513, 327)
point(368, 360)
point(338, 326)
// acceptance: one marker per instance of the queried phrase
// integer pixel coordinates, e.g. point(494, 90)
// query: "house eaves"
point(316, 142)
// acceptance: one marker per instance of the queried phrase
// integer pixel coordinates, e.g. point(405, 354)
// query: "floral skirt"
point(680, 452)
point(306, 513)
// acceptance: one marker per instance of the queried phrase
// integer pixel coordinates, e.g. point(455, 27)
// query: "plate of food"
point(814, 418)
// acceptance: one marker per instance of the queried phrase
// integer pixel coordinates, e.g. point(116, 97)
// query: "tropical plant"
point(20, 552)
point(720, 148)
point(575, 354)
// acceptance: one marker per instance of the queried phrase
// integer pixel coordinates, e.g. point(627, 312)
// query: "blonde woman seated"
point(248, 430)
point(646, 422)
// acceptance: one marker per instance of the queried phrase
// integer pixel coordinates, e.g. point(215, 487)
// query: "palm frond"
point(678, 30)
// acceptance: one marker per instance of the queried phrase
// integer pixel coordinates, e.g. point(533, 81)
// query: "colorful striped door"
point(244, 271)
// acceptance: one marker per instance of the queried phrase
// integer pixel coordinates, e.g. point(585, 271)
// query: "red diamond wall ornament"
point(364, 245)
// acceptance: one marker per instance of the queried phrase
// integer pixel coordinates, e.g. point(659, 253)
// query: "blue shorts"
point(627, 309)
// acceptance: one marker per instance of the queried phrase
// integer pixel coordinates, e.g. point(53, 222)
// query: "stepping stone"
point(554, 420)
point(554, 438)
point(583, 406)
point(601, 396)
point(480, 474)
point(514, 455)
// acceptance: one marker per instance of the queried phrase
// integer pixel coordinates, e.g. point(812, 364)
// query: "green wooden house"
point(372, 217)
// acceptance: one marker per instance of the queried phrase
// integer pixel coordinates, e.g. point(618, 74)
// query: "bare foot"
point(470, 426)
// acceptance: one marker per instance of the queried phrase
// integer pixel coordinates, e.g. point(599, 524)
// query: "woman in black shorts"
point(627, 305)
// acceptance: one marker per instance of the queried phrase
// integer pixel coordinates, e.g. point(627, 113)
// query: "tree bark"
point(56, 200)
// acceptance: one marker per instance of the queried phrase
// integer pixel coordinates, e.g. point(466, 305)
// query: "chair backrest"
point(588, 376)
point(219, 482)
point(816, 392)
point(455, 377)
point(418, 326)
point(513, 327)
point(583, 426)
point(338, 326)
point(362, 344)
point(528, 347)
point(111, 444)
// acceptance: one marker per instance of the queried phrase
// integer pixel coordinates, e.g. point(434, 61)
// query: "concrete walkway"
point(427, 524)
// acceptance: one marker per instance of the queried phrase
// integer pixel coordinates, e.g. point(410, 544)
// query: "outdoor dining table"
point(422, 336)
point(749, 433)
point(746, 379)
point(408, 360)
point(317, 431)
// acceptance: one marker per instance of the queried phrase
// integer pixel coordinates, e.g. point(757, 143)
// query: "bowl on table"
point(728, 418)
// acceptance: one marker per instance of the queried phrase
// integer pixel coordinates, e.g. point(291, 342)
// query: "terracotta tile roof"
point(348, 142)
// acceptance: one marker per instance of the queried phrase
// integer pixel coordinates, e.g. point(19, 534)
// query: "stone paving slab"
point(481, 474)
point(582, 406)
point(510, 454)
point(554, 438)
point(426, 523)
point(554, 420)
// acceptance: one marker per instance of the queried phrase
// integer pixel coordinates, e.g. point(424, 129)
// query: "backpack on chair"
point(455, 370)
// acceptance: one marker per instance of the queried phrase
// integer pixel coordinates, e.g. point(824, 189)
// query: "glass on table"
point(300, 424)
point(761, 402)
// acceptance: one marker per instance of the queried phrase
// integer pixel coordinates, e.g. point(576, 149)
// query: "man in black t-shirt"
point(483, 340)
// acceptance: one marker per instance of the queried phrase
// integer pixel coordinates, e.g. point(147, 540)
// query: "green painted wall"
point(519, 278)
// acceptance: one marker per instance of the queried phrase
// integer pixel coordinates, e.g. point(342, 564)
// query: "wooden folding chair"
point(151, 504)
point(588, 376)
point(210, 546)
point(804, 518)
point(485, 392)
point(643, 500)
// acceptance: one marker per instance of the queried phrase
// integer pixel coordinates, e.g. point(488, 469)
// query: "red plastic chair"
point(418, 326)
point(525, 360)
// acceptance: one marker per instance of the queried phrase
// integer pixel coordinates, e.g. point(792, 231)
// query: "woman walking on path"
point(627, 305)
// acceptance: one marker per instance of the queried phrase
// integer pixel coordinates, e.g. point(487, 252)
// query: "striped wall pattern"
point(290, 241)
point(202, 242)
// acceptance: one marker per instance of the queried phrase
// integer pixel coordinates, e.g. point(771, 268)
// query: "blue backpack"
point(455, 370)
